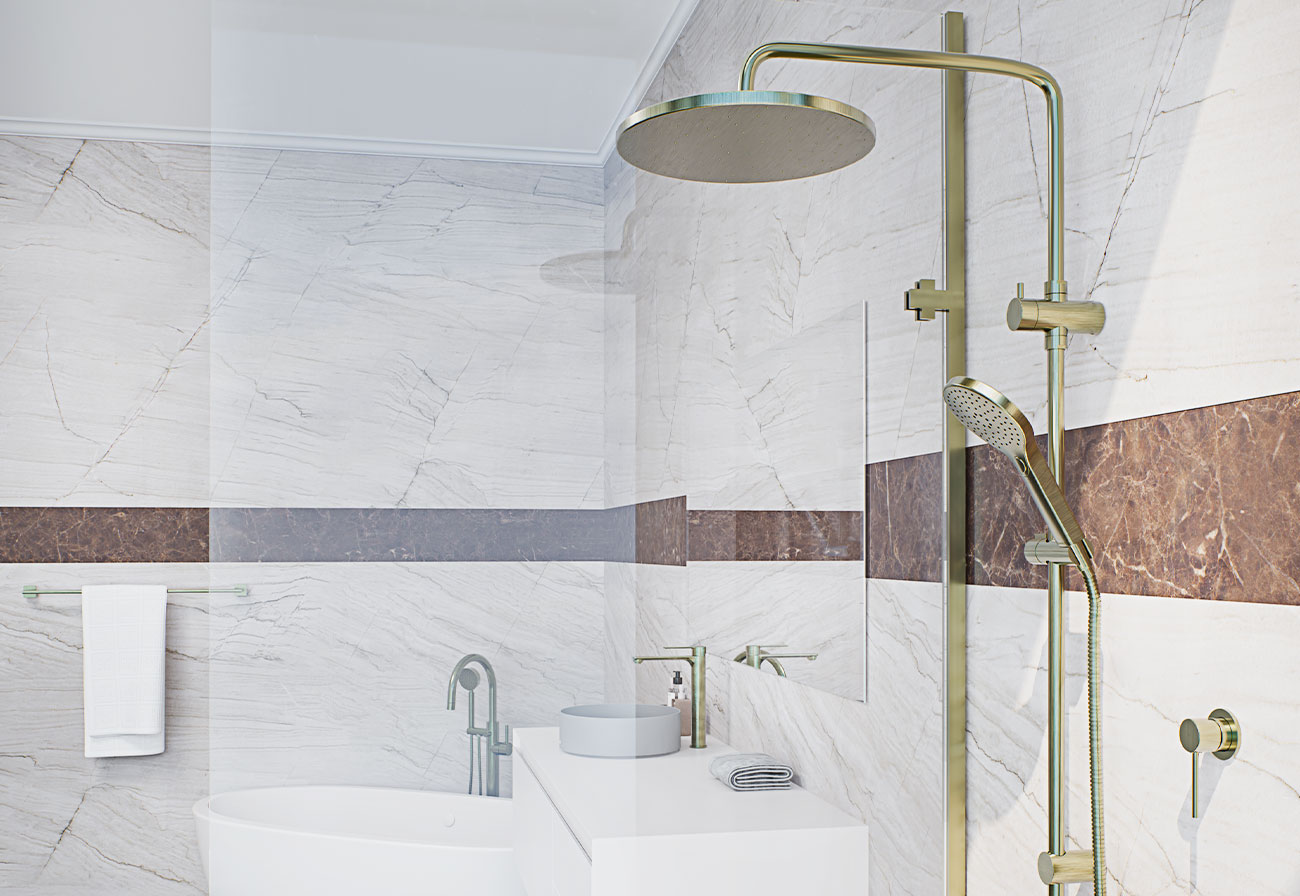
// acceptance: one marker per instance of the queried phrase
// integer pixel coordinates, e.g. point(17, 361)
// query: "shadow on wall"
point(1172, 56)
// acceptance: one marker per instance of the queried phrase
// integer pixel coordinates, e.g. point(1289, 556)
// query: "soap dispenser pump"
point(679, 697)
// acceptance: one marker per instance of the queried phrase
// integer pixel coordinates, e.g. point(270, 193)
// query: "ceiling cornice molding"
point(80, 130)
point(597, 157)
point(654, 62)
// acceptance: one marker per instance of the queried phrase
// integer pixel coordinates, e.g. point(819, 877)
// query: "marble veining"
point(1159, 103)
point(1173, 214)
point(824, 611)
point(767, 535)
point(103, 534)
point(383, 335)
point(649, 532)
point(661, 532)
point(1189, 504)
point(104, 354)
point(246, 327)
point(878, 760)
point(279, 716)
point(77, 825)
point(322, 674)
point(1162, 661)
point(905, 518)
point(287, 334)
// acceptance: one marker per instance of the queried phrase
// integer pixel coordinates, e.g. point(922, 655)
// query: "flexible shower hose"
point(1094, 729)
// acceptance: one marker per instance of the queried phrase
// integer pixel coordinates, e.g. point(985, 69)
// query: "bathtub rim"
point(204, 817)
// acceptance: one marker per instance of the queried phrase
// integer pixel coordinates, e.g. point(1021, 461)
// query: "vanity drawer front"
point(572, 867)
point(534, 822)
point(549, 859)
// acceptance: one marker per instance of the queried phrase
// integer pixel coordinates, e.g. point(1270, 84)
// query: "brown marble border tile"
point(1200, 503)
point(904, 519)
point(765, 535)
point(653, 532)
point(661, 532)
point(429, 535)
point(103, 534)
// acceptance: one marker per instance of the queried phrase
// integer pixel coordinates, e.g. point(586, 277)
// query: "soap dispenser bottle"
point(679, 697)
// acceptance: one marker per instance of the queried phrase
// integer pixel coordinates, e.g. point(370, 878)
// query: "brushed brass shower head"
point(746, 136)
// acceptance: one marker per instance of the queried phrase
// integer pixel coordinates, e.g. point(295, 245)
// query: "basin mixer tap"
point(696, 659)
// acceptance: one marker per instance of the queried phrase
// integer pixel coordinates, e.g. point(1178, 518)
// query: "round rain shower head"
point(990, 415)
point(746, 136)
point(468, 679)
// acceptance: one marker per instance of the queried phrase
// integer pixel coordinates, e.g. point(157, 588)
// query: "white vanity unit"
point(644, 827)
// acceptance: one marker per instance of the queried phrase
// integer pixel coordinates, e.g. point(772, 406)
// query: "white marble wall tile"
point(772, 280)
point(621, 341)
point(620, 632)
point(382, 332)
point(1163, 660)
point(337, 673)
point(811, 607)
point(661, 621)
point(383, 336)
point(104, 339)
point(75, 825)
point(325, 673)
point(878, 760)
point(1171, 204)
point(780, 427)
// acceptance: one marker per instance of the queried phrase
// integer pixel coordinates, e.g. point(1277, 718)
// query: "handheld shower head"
point(468, 679)
point(994, 418)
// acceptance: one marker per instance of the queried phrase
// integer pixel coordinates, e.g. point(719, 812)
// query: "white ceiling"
point(531, 80)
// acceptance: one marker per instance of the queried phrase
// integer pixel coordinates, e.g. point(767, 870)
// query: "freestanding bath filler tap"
point(496, 748)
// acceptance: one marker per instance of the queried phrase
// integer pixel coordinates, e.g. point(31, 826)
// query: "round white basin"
point(620, 730)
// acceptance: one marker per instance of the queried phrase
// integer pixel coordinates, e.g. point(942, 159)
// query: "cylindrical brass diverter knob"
point(1074, 867)
point(1201, 735)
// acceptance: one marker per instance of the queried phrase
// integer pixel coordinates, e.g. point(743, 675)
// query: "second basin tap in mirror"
point(757, 655)
point(818, 609)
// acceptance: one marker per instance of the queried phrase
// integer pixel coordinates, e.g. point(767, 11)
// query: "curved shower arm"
point(491, 677)
point(992, 65)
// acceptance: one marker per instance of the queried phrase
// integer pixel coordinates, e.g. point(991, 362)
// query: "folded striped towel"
point(751, 771)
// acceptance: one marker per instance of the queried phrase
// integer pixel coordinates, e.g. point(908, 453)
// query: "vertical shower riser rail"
point(954, 464)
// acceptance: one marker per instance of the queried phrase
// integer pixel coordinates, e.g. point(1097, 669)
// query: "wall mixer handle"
point(1219, 735)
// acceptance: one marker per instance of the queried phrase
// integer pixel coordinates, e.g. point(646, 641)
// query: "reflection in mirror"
point(812, 608)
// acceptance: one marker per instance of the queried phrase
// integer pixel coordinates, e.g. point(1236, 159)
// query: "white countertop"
point(662, 795)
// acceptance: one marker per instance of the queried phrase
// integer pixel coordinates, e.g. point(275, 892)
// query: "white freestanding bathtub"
point(281, 841)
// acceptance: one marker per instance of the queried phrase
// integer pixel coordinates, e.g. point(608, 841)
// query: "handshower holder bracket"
point(926, 300)
point(1055, 310)
point(1041, 551)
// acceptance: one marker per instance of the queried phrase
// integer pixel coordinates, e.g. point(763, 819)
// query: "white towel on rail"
point(124, 654)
